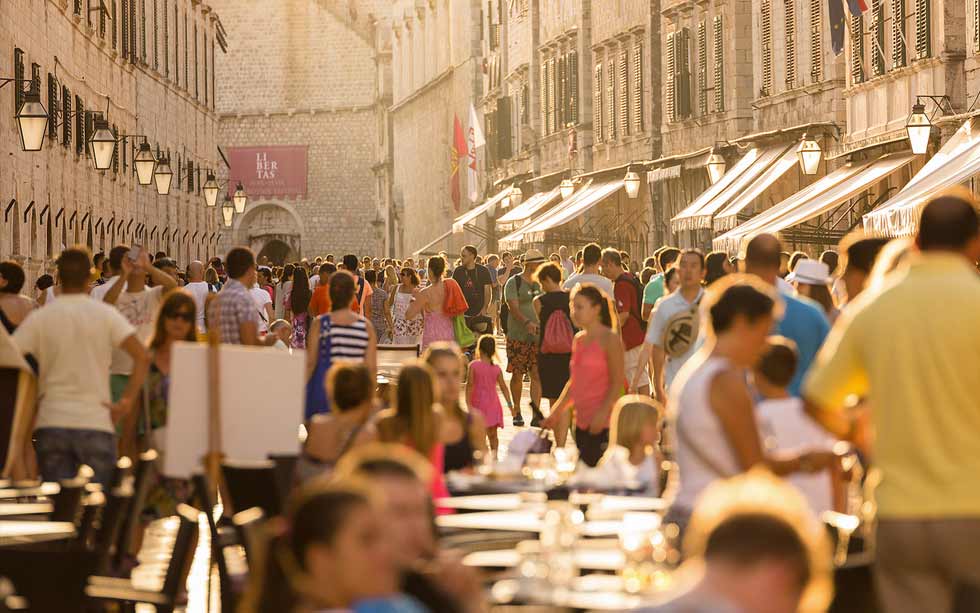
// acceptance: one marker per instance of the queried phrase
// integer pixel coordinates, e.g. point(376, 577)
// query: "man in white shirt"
point(139, 305)
point(590, 271)
point(116, 255)
point(567, 265)
point(263, 304)
point(73, 340)
point(198, 288)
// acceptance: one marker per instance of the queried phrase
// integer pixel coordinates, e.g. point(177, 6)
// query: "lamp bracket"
point(938, 101)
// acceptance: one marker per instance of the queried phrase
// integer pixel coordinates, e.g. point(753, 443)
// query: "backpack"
point(635, 311)
point(505, 309)
point(558, 334)
point(681, 331)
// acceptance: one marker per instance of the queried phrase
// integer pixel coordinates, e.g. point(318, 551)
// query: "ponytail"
point(598, 298)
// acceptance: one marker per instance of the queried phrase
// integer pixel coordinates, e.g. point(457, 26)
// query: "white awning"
point(699, 213)
point(478, 210)
point(662, 174)
point(954, 163)
point(514, 239)
point(814, 200)
point(555, 217)
point(529, 207)
point(728, 217)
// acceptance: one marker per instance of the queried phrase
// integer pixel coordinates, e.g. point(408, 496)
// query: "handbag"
point(542, 444)
point(464, 336)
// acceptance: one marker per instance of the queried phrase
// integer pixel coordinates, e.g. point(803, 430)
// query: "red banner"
point(277, 171)
point(458, 152)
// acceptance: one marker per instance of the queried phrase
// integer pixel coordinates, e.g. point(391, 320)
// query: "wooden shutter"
point(670, 83)
point(205, 69)
point(52, 107)
point(19, 76)
point(765, 20)
point(789, 20)
point(544, 97)
point(79, 126)
point(561, 102)
point(976, 26)
point(132, 32)
point(623, 94)
point(197, 89)
point(89, 129)
point(857, 49)
point(124, 27)
point(597, 127)
point(923, 46)
point(176, 46)
point(115, 152)
point(143, 31)
point(900, 55)
point(156, 35)
point(115, 30)
point(684, 72)
point(702, 68)
point(573, 87)
point(65, 114)
point(525, 102)
point(552, 95)
point(636, 89)
point(187, 74)
point(505, 149)
point(816, 40)
point(611, 102)
point(878, 37)
point(166, 39)
point(719, 59)
point(102, 20)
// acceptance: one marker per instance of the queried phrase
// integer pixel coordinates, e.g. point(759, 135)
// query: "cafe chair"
point(253, 484)
point(92, 508)
point(68, 501)
point(221, 538)
point(143, 476)
point(110, 527)
point(164, 600)
point(248, 524)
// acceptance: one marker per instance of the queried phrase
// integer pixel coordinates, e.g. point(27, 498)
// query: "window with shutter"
point(190, 177)
point(115, 31)
point(102, 21)
point(52, 107)
point(623, 94)
point(176, 46)
point(900, 53)
point(504, 121)
point(89, 128)
point(552, 91)
point(132, 32)
point(923, 42)
point(789, 20)
point(684, 73)
point(765, 22)
point(544, 98)
point(561, 104)
point(572, 70)
point(79, 126)
point(166, 39)
point(670, 84)
point(816, 40)
point(702, 68)
point(877, 37)
point(525, 103)
point(19, 78)
point(78, 7)
point(143, 31)
point(636, 89)
point(115, 152)
point(611, 101)
point(205, 69)
point(976, 26)
point(65, 114)
point(597, 128)
point(197, 89)
point(857, 49)
point(124, 27)
point(719, 58)
point(156, 35)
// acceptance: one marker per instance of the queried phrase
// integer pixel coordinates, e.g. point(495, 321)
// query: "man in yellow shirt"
point(913, 349)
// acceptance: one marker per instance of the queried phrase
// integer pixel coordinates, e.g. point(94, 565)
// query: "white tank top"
point(690, 411)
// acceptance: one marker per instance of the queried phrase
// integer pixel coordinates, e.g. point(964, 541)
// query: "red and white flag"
point(476, 139)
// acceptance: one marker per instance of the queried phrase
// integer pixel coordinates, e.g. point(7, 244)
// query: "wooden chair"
point(143, 477)
point(219, 540)
point(248, 524)
point(253, 484)
point(123, 591)
point(68, 501)
point(93, 505)
point(110, 527)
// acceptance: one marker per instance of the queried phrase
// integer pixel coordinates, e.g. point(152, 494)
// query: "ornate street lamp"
point(919, 128)
point(211, 188)
point(240, 198)
point(567, 188)
point(32, 119)
point(228, 212)
point(716, 166)
point(632, 183)
point(809, 155)
point(102, 144)
point(164, 176)
point(513, 198)
point(145, 164)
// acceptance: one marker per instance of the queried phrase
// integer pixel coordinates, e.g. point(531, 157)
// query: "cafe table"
point(523, 521)
point(597, 503)
point(22, 509)
point(594, 555)
point(31, 532)
point(587, 593)
point(44, 489)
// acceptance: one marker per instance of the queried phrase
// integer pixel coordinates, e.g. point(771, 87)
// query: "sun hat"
point(810, 272)
point(533, 256)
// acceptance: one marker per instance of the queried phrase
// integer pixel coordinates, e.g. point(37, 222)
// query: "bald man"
point(198, 289)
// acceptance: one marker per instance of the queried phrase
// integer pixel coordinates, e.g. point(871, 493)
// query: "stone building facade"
point(311, 76)
point(148, 64)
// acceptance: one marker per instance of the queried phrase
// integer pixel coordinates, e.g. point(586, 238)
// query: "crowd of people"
point(673, 377)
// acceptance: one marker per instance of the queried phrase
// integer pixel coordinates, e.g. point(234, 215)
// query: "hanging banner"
point(476, 139)
point(272, 171)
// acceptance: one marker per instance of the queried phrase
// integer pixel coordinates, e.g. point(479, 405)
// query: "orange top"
point(454, 303)
point(320, 302)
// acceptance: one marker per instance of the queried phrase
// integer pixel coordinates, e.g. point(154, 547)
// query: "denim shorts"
point(60, 451)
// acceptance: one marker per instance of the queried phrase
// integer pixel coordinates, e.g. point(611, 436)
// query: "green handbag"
point(464, 336)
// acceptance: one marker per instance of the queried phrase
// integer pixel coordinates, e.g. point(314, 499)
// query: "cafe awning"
point(527, 209)
point(699, 214)
point(954, 163)
point(515, 238)
point(460, 222)
point(557, 217)
point(728, 217)
point(814, 200)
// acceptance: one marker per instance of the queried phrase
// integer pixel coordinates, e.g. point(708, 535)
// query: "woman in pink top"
point(437, 325)
point(484, 379)
point(597, 373)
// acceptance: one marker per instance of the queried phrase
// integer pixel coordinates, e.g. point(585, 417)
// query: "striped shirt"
point(348, 342)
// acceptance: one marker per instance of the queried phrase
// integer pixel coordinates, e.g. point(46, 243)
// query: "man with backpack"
point(626, 296)
point(521, 323)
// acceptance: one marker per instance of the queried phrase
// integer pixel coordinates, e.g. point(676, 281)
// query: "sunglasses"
point(186, 316)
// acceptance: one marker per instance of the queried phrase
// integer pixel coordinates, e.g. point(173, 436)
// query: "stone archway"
point(272, 230)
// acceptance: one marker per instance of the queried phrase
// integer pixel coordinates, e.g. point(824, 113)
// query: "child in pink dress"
point(482, 382)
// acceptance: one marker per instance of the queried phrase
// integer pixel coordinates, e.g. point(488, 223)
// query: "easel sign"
point(261, 405)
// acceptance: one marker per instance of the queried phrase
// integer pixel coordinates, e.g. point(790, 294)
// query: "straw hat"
point(810, 272)
point(533, 256)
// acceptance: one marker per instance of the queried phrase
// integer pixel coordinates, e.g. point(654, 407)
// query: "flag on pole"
point(457, 153)
point(857, 7)
point(836, 13)
point(475, 140)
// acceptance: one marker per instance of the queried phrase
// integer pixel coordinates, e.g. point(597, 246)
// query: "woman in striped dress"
point(341, 335)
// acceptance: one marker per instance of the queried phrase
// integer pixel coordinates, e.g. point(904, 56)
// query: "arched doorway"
point(277, 252)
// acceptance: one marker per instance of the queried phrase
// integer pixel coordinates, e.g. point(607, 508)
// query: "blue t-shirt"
point(805, 324)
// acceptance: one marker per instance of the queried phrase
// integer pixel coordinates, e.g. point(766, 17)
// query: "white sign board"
point(262, 396)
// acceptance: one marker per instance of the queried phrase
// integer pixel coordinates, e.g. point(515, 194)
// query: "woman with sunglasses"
point(175, 322)
point(406, 331)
